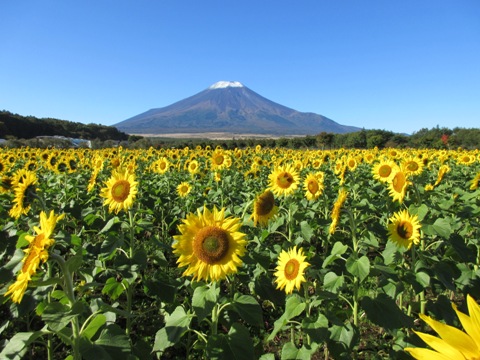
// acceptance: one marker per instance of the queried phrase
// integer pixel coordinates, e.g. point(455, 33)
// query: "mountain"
point(229, 107)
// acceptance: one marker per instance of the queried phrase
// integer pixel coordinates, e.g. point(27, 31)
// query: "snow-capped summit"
point(225, 84)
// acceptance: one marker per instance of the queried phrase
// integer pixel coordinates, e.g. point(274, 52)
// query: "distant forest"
point(29, 127)
point(22, 131)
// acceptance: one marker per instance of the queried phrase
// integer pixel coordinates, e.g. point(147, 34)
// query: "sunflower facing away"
point(290, 270)
point(284, 180)
point(36, 252)
point(120, 191)
point(404, 229)
point(337, 207)
point(210, 245)
point(452, 343)
point(23, 190)
point(264, 208)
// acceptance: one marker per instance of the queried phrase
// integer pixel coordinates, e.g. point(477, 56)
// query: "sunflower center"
point(265, 203)
point(398, 182)
point(405, 230)
point(211, 244)
point(163, 166)
point(312, 186)
point(218, 159)
point(284, 180)
point(412, 166)
point(120, 190)
point(291, 269)
point(385, 170)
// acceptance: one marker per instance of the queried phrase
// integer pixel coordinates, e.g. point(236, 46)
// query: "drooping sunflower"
point(452, 343)
point(283, 180)
point(119, 191)
point(313, 186)
point(210, 245)
point(23, 190)
point(404, 229)
point(264, 208)
point(398, 186)
point(384, 170)
point(290, 270)
point(337, 207)
point(441, 173)
point(36, 253)
point(183, 189)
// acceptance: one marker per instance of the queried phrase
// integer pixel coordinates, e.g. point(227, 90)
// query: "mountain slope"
point(229, 107)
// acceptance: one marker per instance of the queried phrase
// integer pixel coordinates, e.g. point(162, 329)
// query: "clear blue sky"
point(378, 64)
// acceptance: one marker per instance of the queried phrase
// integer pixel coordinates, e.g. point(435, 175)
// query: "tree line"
point(24, 131)
point(14, 126)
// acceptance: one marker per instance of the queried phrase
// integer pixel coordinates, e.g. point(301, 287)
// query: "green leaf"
point(293, 307)
point(204, 299)
point(114, 340)
point(337, 251)
point(384, 312)
point(16, 347)
point(249, 309)
point(306, 229)
point(343, 339)
point(175, 327)
point(290, 352)
point(93, 326)
point(111, 243)
point(332, 282)
point(442, 227)
point(236, 345)
point(74, 263)
point(420, 211)
point(317, 328)
point(109, 224)
point(57, 315)
point(359, 268)
point(113, 288)
point(423, 278)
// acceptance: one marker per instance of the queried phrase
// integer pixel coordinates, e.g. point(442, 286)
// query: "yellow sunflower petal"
point(442, 346)
point(426, 354)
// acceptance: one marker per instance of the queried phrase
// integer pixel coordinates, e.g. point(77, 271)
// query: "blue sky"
point(378, 64)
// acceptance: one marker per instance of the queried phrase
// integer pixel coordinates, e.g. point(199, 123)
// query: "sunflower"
point(475, 182)
point(290, 270)
point(352, 163)
point(34, 254)
point(264, 208)
point(452, 343)
point(441, 173)
point(342, 197)
point(384, 170)
point(24, 188)
point(161, 166)
point(220, 160)
point(313, 186)
point(284, 180)
point(119, 191)
point(210, 245)
point(398, 186)
point(412, 166)
point(183, 189)
point(404, 229)
point(193, 167)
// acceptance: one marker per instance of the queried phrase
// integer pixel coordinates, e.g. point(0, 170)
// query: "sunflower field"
point(252, 253)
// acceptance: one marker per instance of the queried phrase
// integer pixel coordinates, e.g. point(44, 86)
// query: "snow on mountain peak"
point(225, 84)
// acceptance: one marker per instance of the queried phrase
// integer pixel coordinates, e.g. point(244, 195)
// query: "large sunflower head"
point(210, 245)
point(313, 186)
point(264, 208)
point(290, 270)
point(119, 191)
point(284, 180)
point(412, 166)
point(404, 229)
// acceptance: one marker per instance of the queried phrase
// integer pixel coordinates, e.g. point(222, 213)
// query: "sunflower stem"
point(69, 291)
